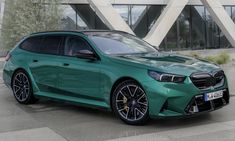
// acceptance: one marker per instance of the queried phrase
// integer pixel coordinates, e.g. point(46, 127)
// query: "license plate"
point(213, 95)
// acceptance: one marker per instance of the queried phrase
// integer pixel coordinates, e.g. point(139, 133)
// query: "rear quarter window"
point(32, 44)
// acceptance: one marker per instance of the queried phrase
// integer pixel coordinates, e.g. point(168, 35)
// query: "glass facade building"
point(1, 16)
point(194, 28)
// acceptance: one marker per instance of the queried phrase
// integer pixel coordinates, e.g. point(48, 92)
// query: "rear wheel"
point(22, 89)
point(130, 103)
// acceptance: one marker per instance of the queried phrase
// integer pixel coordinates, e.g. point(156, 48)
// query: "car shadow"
point(47, 106)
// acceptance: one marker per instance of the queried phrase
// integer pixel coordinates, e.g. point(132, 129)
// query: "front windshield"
point(120, 43)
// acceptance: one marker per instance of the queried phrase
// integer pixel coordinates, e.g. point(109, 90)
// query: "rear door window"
point(51, 45)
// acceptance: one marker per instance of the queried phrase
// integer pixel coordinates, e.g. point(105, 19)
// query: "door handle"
point(65, 64)
point(35, 61)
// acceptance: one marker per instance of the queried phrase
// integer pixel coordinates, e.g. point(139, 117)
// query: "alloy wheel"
point(21, 87)
point(131, 102)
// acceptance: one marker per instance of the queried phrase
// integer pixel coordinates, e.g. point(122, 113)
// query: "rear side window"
point(51, 45)
point(32, 44)
point(43, 44)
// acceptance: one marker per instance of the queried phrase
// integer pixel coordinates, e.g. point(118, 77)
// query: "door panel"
point(44, 69)
point(79, 77)
point(43, 63)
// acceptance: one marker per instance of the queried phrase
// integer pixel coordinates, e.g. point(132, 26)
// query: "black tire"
point(22, 88)
point(130, 103)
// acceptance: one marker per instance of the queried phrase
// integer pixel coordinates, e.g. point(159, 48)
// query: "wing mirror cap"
point(86, 54)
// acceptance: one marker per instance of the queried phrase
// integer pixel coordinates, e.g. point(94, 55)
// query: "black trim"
point(79, 31)
point(206, 106)
point(205, 80)
point(61, 45)
point(67, 93)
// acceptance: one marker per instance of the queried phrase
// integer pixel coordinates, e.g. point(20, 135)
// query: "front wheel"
point(22, 89)
point(130, 103)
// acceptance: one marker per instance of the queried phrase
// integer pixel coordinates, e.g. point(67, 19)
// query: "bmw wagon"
point(116, 71)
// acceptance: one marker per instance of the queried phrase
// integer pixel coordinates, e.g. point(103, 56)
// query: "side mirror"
point(86, 54)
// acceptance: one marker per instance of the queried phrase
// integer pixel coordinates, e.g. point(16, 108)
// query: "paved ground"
point(52, 121)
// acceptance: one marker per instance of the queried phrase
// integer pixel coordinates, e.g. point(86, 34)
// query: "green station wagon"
point(113, 70)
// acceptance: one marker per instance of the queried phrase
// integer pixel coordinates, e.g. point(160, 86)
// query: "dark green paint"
point(90, 83)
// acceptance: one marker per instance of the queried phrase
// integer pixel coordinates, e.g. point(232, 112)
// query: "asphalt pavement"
point(56, 121)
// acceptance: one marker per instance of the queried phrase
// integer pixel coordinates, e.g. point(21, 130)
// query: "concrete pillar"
point(165, 21)
point(109, 15)
point(2, 2)
point(222, 19)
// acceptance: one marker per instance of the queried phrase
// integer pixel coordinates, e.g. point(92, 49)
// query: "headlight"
point(165, 77)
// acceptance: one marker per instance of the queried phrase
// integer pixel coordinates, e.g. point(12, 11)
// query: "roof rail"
point(81, 31)
point(56, 31)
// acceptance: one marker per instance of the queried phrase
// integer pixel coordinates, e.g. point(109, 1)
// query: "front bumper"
point(176, 100)
point(199, 105)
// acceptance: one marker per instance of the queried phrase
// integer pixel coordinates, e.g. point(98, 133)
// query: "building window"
point(212, 33)
point(143, 18)
point(198, 15)
point(183, 29)
point(71, 19)
point(140, 18)
point(170, 41)
point(228, 10)
point(233, 13)
point(123, 10)
point(195, 29)
point(137, 12)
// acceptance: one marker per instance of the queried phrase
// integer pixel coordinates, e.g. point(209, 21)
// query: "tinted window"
point(51, 44)
point(74, 45)
point(32, 44)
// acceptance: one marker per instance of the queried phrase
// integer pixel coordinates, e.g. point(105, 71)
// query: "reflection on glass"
point(137, 12)
point(198, 27)
point(123, 11)
point(183, 29)
point(171, 38)
point(223, 40)
point(114, 43)
point(228, 10)
point(194, 28)
point(233, 13)
point(147, 15)
point(154, 12)
point(81, 23)
point(212, 32)
point(71, 20)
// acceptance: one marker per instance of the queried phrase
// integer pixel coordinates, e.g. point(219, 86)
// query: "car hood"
point(168, 63)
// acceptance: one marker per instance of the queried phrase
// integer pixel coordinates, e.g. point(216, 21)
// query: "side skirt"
point(73, 100)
